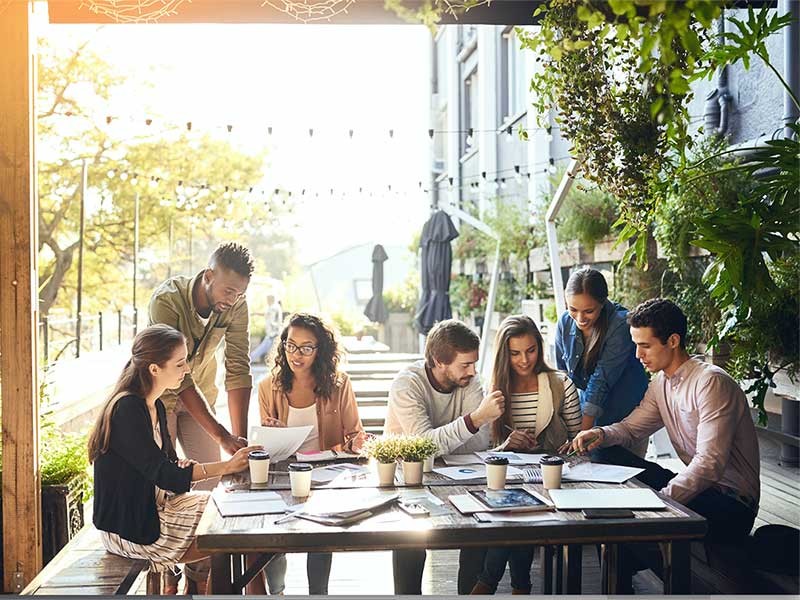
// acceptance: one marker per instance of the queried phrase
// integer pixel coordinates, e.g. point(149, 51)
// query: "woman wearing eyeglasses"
point(305, 387)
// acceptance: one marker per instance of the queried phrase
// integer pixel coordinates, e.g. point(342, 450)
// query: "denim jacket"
point(618, 381)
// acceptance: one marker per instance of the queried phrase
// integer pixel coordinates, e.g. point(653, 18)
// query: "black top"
point(125, 477)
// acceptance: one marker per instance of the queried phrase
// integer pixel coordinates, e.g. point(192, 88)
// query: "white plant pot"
point(427, 465)
point(386, 473)
point(412, 472)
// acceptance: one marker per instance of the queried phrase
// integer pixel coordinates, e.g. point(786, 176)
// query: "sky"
point(292, 78)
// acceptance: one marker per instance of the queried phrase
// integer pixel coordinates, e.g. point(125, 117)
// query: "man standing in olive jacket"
point(208, 308)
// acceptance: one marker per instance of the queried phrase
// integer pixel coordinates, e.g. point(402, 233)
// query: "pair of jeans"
point(728, 519)
point(408, 565)
point(318, 570)
point(519, 559)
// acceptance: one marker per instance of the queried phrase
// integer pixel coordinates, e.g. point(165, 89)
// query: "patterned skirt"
point(179, 515)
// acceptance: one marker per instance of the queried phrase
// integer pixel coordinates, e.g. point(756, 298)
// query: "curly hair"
point(233, 257)
point(324, 369)
point(663, 316)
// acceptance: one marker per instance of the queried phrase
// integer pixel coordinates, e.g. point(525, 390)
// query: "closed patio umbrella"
point(436, 262)
point(376, 309)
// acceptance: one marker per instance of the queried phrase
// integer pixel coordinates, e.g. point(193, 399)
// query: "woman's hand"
point(186, 462)
point(239, 461)
point(565, 448)
point(270, 422)
point(520, 439)
point(358, 440)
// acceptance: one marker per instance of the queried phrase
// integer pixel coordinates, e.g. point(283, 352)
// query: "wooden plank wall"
point(22, 527)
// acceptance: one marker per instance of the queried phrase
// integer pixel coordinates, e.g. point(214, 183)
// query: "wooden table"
point(228, 539)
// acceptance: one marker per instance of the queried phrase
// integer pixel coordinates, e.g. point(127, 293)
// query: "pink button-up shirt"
point(708, 420)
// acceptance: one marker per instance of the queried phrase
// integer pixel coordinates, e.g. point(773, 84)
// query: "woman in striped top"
point(542, 412)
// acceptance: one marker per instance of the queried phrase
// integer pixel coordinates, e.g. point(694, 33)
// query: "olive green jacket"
point(172, 305)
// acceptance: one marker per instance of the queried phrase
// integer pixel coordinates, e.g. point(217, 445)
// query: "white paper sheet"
point(508, 517)
point(344, 470)
point(238, 503)
point(472, 472)
point(461, 459)
point(280, 442)
point(588, 471)
point(642, 498)
point(514, 458)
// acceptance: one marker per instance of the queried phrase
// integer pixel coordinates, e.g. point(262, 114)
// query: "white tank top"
point(301, 417)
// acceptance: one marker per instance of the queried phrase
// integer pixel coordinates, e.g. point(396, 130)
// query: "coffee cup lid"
point(551, 460)
point(300, 467)
point(259, 455)
point(496, 460)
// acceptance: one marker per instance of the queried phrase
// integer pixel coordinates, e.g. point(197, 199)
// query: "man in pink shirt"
point(708, 420)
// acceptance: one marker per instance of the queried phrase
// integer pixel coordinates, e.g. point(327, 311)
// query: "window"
point(469, 113)
point(512, 76)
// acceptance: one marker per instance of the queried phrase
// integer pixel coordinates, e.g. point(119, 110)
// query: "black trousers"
point(407, 567)
point(728, 519)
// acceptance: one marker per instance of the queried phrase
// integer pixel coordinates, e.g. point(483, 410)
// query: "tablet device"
point(510, 499)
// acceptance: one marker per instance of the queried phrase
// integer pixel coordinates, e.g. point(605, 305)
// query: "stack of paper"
point(346, 506)
point(237, 503)
point(632, 498)
point(323, 455)
point(476, 471)
point(514, 458)
point(588, 471)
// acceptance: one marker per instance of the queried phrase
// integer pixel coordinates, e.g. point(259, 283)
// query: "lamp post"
point(135, 260)
point(84, 180)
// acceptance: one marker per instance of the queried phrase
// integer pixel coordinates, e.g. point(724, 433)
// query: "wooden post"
point(22, 517)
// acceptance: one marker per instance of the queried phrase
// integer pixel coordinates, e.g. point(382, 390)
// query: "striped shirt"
point(525, 406)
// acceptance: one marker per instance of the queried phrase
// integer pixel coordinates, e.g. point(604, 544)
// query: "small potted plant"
point(414, 450)
point(385, 451)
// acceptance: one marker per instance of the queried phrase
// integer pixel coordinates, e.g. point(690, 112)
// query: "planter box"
point(604, 251)
point(539, 259)
point(62, 517)
point(570, 254)
point(399, 334)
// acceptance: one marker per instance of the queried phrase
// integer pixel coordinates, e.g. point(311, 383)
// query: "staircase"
point(371, 375)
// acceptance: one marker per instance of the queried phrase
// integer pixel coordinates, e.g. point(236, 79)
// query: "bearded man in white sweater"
point(441, 398)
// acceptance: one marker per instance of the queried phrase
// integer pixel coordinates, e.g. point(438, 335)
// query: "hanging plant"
point(617, 74)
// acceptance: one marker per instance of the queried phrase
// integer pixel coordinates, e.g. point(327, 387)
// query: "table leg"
point(573, 565)
point(677, 574)
point(547, 569)
point(559, 570)
point(610, 569)
point(221, 573)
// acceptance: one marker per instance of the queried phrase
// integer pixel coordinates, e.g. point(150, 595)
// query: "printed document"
point(280, 442)
point(588, 471)
point(237, 503)
point(473, 472)
point(632, 498)
point(514, 458)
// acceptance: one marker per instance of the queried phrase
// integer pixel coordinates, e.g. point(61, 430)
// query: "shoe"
point(481, 589)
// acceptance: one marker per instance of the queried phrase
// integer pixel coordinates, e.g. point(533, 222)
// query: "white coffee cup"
point(300, 479)
point(259, 466)
point(552, 467)
point(496, 469)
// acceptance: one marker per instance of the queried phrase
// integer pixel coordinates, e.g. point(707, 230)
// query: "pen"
point(591, 440)
point(287, 517)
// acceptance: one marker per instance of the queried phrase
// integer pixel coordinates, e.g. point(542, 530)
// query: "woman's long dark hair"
point(324, 369)
point(153, 345)
point(592, 283)
point(502, 373)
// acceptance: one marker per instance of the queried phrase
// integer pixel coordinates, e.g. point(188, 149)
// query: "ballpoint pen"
point(589, 442)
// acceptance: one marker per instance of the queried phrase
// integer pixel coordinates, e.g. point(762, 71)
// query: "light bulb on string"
point(430, 134)
point(469, 139)
point(135, 179)
point(517, 174)
point(123, 176)
point(552, 168)
point(549, 134)
point(110, 173)
point(153, 182)
point(509, 135)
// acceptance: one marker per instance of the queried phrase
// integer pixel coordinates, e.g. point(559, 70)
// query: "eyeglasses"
point(304, 350)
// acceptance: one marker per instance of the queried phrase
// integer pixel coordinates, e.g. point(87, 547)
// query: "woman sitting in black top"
point(142, 503)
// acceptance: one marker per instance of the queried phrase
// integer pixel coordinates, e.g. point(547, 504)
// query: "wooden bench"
point(83, 567)
point(726, 569)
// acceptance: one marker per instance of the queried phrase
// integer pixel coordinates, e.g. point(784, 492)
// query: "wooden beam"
point(22, 518)
point(498, 12)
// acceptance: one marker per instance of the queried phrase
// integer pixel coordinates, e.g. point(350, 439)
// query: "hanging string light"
point(307, 11)
point(133, 11)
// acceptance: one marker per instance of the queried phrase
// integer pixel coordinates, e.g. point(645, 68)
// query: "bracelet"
point(203, 467)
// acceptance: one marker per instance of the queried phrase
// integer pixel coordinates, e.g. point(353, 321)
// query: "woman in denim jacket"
point(594, 348)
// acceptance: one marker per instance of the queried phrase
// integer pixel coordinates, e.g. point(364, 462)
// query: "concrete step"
point(372, 416)
point(372, 401)
point(392, 367)
point(370, 388)
point(382, 357)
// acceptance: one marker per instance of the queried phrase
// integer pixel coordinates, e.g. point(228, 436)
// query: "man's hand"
point(270, 422)
point(490, 408)
point(588, 440)
point(231, 443)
